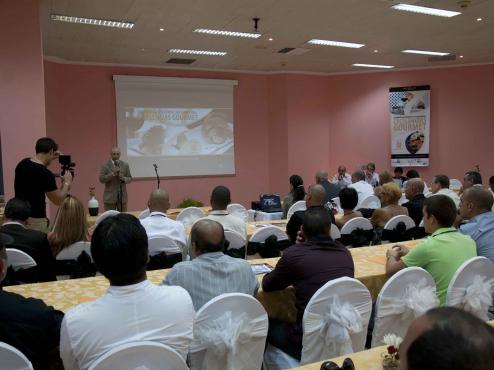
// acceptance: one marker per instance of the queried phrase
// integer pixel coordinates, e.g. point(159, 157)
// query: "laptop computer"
point(269, 203)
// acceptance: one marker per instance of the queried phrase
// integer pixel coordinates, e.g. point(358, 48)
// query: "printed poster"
point(409, 109)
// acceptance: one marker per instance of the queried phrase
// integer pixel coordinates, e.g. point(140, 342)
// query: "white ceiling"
point(289, 22)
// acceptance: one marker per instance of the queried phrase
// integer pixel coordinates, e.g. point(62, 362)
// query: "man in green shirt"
point(441, 253)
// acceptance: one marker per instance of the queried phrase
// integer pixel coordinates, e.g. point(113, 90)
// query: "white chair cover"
point(162, 243)
point(336, 200)
point(472, 286)
point(144, 214)
point(229, 333)
point(334, 233)
point(238, 210)
point(19, 260)
point(405, 296)
point(140, 356)
point(335, 320)
point(455, 184)
point(236, 240)
point(13, 359)
point(371, 202)
point(356, 223)
point(407, 220)
point(297, 206)
point(403, 199)
point(189, 215)
point(106, 214)
point(421, 224)
point(260, 235)
point(72, 252)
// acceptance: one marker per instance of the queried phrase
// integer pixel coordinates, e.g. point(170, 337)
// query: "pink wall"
point(22, 96)
point(462, 126)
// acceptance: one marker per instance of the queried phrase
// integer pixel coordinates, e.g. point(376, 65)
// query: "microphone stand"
point(157, 176)
point(120, 192)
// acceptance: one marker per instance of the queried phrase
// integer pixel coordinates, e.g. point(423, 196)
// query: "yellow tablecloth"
point(369, 268)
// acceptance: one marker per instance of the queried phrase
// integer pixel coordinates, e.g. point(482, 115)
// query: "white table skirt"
point(263, 216)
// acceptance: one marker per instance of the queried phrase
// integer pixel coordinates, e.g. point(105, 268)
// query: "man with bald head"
point(414, 192)
point(361, 186)
point(158, 223)
point(332, 190)
point(342, 178)
point(315, 197)
point(221, 273)
point(115, 174)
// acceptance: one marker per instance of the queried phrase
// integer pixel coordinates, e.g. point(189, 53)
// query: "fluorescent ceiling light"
point(437, 53)
point(372, 65)
point(197, 52)
point(425, 10)
point(92, 21)
point(335, 43)
point(250, 35)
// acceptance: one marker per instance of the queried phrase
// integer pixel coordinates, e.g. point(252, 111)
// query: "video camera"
point(66, 164)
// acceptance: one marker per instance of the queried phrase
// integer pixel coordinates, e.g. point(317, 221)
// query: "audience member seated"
point(491, 184)
point(28, 324)
point(32, 242)
point(297, 192)
point(398, 178)
point(158, 223)
point(220, 199)
point(316, 197)
point(472, 178)
point(70, 225)
point(133, 309)
point(371, 177)
point(342, 178)
point(307, 266)
point(361, 186)
point(348, 202)
point(414, 192)
point(413, 174)
point(440, 185)
point(389, 195)
point(223, 274)
point(447, 338)
point(385, 177)
point(440, 254)
point(331, 189)
point(475, 207)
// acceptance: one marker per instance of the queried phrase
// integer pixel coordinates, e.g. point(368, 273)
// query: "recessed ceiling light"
point(162, 29)
point(250, 35)
point(461, 56)
point(425, 10)
point(372, 65)
point(437, 53)
point(376, 51)
point(92, 21)
point(270, 39)
point(142, 49)
point(479, 19)
point(197, 52)
point(335, 43)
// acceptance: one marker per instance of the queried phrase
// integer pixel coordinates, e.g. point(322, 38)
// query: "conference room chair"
point(357, 232)
point(334, 324)
point(229, 333)
point(164, 252)
point(267, 241)
point(106, 214)
point(238, 210)
point(22, 268)
point(471, 287)
point(297, 206)
point(403, 199)
point(13, 359)
point(370, 202)
point(455, 184)
point(144, 214)
point(189, 215)
point(19, 260)
point(405, 296)
point(398, 228)
point(140, 355)
point(337, 201)
point(237, 244)
point(335, 233)
point(75, 261)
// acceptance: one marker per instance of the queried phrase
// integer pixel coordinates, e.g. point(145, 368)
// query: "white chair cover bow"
point(476, 298)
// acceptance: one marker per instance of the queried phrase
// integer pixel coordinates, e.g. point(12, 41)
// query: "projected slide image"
point(178, 131)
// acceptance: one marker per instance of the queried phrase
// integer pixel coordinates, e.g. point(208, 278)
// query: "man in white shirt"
point(157, 223)
point(361, 186)
point(342, 178)
point(211, 272)
point(220, 199)
point(371, 177)
point(133, 309)
point(440, 185)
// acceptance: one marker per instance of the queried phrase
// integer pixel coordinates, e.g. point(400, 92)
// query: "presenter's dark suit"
point(34, 243)
point(113, 183)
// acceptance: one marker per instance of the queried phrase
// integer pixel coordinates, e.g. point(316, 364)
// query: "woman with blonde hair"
point(390, 195)
point(70, 225)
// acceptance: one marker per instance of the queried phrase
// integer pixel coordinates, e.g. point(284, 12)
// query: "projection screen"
point(183, 125)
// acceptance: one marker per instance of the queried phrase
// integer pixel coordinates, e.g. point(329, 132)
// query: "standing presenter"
point(115, 174)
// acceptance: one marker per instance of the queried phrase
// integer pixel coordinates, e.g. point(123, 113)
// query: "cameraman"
point(33, 180)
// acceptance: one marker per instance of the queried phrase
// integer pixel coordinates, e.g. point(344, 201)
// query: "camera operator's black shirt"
point(32, 181)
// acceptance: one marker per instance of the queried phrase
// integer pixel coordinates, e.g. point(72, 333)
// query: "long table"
point(369, 269)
